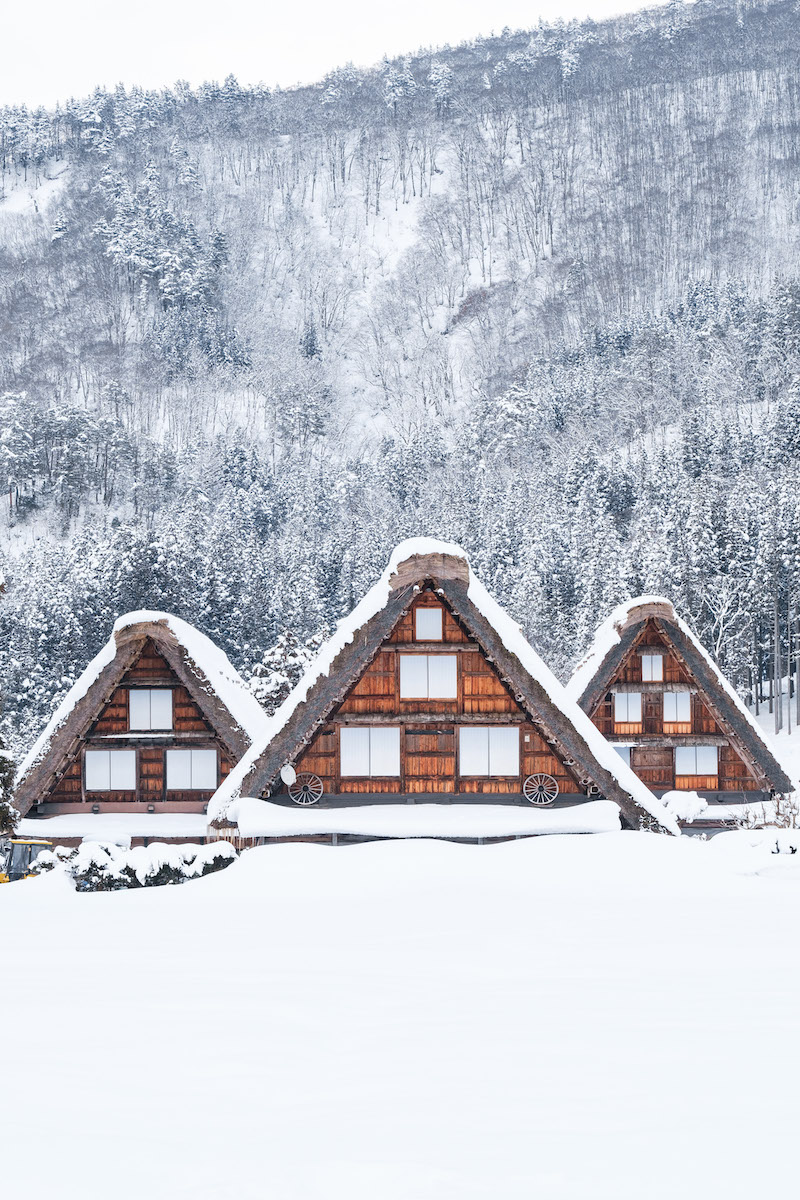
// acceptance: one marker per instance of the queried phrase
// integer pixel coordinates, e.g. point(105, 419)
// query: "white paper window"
point(492, 750)
point(110, 770)
point(150, 708)
point(428, 677)
point(627, 707)
point(625, 753)
point(677, 707)
point(473, 747)
point(370, 751)
point(652, 667)
point(191, 770)
point(696, 760)
point(429, 624)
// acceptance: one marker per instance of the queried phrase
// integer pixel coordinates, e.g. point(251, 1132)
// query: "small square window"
point(625, 754)
point(627, 708)
point(110, 770)
point(191, 770)
point(150, 708)
point(429, 624)
point(677, 708)
point(652, 668)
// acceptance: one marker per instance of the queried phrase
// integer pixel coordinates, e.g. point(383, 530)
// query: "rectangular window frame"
point(649, 663)
point(409, 661)
point(176, 755)
point(492, 738)
point(625, 711)
point(375, 754)
point(677, 712)
point(427, 612)
point(144, 701)
point(690, 756)
point(124, 763)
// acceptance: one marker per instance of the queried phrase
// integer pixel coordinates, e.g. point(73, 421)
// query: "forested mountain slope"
point(539, 294)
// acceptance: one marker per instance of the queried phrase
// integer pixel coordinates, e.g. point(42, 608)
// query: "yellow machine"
point(16, 856)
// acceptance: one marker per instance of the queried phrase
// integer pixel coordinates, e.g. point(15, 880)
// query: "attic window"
point(428, 677)
point(428, 624)
point(652, 667)
point(150, 708)
point(678, 711)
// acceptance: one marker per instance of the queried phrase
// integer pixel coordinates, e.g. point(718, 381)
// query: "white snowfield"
point(603, 1018)
point(259, 818)
point(513, 640)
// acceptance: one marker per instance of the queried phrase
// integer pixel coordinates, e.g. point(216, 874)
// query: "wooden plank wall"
point(190, 729)
point(429, 747)
point(655, 765)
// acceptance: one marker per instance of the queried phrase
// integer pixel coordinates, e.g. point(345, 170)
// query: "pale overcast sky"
point(53, 49)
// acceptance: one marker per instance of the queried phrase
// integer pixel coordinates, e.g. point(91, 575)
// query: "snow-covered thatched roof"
point(357, 639)
point(204, 669)
point(616, 639)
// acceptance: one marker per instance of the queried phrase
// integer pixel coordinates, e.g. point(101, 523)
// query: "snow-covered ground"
point(584, 1017)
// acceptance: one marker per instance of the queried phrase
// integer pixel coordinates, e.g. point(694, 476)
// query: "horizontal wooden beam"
point(431, 647)
point(442, 718)
point(683, 739)
point(659, 686)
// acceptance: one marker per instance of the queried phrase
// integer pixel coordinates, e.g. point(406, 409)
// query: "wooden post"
point(777, 672)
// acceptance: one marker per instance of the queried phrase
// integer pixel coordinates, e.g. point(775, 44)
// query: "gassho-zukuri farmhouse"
point(426, 714)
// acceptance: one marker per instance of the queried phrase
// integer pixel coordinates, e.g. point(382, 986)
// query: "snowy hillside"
point(611, 1017)
point(537, 295)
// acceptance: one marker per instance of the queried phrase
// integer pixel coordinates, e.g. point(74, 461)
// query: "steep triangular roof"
point(615, 640)
point(344, 658)
point(205, 671)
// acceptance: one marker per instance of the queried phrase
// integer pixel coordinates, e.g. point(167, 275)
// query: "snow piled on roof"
point(215, 671)
point(260, 818)
point(609, 635)
point(514, 641)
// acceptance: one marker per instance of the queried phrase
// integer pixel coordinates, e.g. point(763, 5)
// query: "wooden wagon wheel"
point(540, 789)
point(306, 789)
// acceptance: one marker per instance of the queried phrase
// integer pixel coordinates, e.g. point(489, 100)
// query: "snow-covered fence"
point(104, 867)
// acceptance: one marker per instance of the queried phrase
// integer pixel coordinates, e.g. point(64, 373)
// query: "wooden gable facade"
point(429, 693)
point(660, 701)
point(111, 732)
point(429, 729)
point(147, 731)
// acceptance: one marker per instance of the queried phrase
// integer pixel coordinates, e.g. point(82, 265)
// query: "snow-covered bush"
point(684, 806)
point(104, 867)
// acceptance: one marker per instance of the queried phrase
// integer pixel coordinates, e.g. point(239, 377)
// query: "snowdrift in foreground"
point(259, 818)
point(561, 1018)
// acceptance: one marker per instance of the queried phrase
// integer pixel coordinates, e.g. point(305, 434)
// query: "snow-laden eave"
point(514, 641)
point(76, 693)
